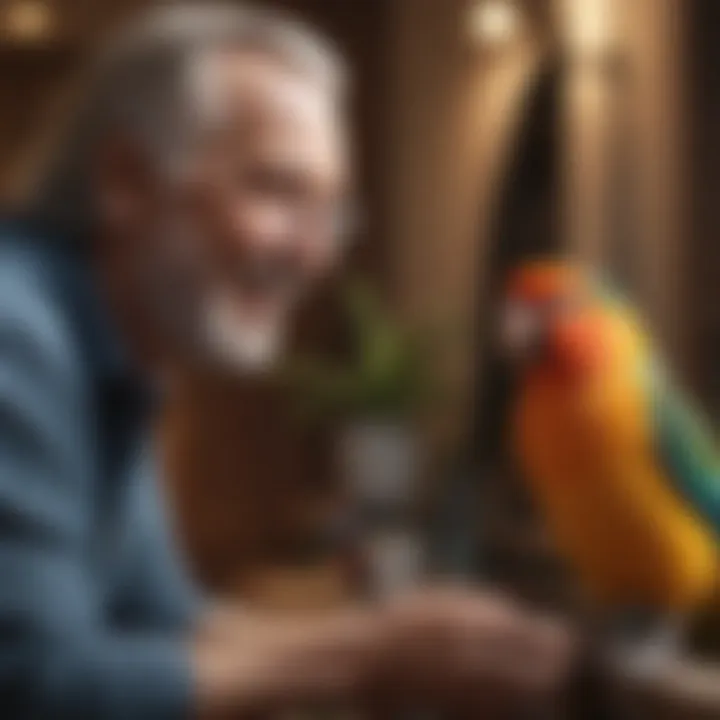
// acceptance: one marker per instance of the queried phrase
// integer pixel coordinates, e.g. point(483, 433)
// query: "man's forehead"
point(249, 83)
point(277, 110)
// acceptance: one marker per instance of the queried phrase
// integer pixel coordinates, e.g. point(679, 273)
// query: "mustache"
point(267, 276)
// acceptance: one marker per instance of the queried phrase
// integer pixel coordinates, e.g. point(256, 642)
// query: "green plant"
point(386, 378)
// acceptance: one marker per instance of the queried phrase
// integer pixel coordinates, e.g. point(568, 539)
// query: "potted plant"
point(373, 399)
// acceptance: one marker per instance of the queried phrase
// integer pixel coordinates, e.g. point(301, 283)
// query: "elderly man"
point(202, 188)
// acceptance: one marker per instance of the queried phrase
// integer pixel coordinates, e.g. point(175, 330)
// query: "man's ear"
point(125, 183)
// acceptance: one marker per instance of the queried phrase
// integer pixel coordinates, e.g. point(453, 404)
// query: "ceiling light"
point(494, 22)
point(27, 21)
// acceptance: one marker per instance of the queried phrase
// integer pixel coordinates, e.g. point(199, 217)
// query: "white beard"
point(238, 343)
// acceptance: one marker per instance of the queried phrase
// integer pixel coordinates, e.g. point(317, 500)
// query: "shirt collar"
point(109, 352)
point(106, 350)
point(114, 369)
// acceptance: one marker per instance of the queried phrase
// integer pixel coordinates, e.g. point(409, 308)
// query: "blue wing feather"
point(684, 442)
point(687, 450)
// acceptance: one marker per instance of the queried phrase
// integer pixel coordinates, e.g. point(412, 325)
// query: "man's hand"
point(469, 650)
point(247, 662)
point(444, 649)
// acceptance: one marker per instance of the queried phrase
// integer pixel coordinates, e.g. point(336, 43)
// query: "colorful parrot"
point(624, 471)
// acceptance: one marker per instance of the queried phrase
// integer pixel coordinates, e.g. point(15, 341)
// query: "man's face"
point(254, 219)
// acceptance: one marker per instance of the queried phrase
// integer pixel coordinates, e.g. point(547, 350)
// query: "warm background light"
point(27, 21)
point(494, 22)
point(589, 26)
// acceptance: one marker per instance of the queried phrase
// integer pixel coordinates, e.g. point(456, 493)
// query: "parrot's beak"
point(521, 331)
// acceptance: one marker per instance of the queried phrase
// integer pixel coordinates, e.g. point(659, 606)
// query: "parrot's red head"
point(551, 318)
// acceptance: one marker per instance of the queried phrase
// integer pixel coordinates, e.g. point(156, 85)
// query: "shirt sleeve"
point(58, 657)
point(160, 592)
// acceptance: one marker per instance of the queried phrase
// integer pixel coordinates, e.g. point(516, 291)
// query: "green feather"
point(684, 441)
point(687, 449)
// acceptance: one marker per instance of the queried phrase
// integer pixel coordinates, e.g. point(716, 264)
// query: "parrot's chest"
point(581, 441)
point(587, 456)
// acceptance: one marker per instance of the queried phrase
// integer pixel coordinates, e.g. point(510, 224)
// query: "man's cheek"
point(319, 259)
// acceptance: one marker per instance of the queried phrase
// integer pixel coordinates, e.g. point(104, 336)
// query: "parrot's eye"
point(519, 328)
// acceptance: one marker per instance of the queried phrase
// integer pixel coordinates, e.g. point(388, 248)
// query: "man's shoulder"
point(36, 305)
point(32, 251)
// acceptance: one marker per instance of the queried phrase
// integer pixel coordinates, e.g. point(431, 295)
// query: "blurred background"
point(485, 130)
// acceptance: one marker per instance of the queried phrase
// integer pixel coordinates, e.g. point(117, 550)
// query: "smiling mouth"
point(266, 284)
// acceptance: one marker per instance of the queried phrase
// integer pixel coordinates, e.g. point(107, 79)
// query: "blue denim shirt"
point(94, 605)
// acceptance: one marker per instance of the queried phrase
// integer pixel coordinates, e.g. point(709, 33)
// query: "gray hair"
point(147, 82)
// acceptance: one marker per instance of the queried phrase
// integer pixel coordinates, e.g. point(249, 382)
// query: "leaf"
point(388, 375)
